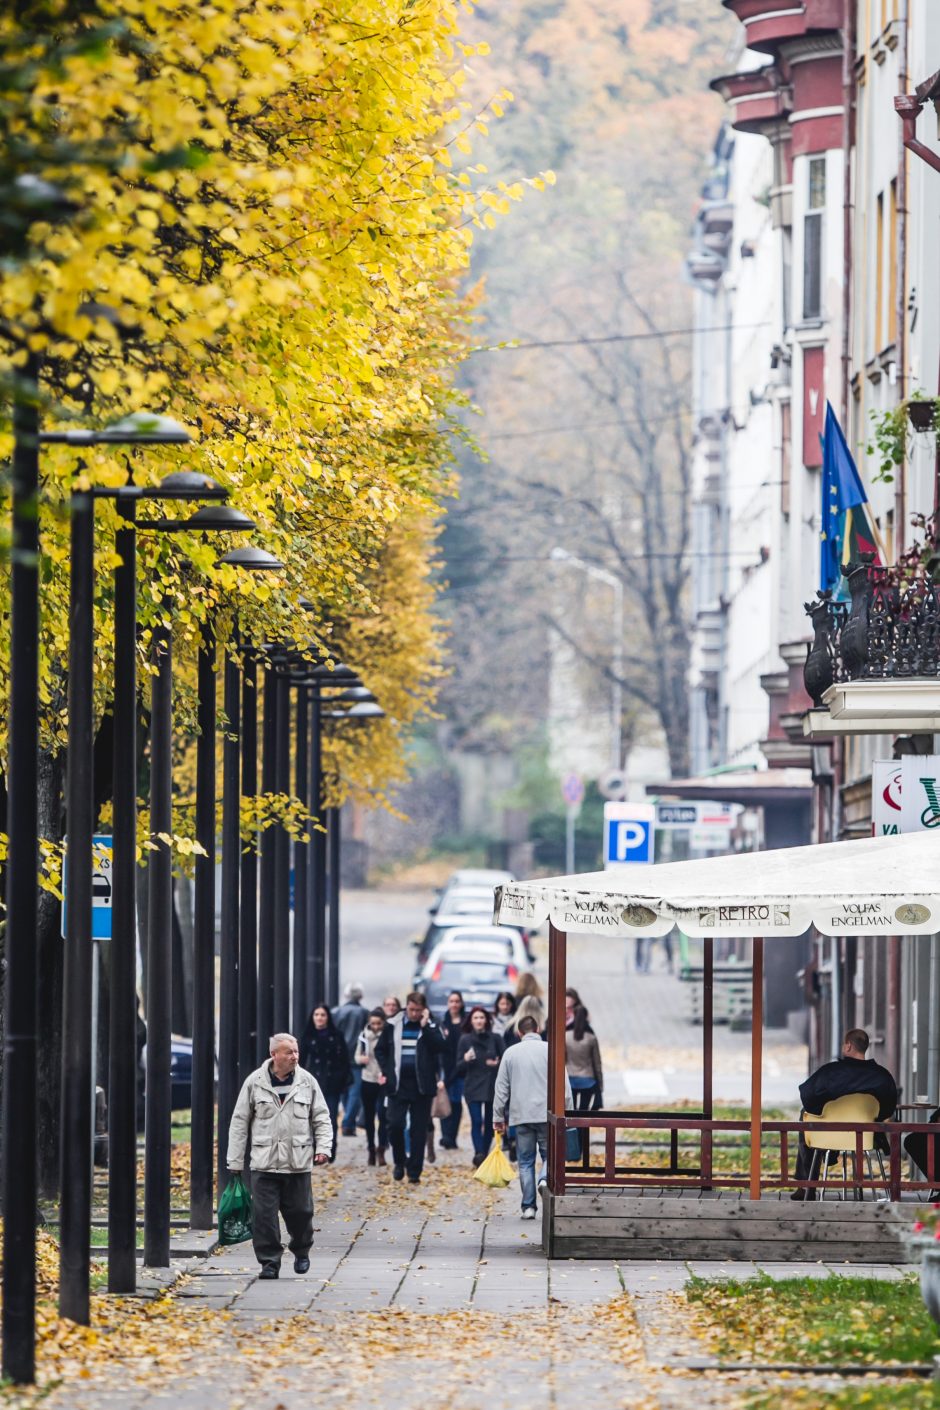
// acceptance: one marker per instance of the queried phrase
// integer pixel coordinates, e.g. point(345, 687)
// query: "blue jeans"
point(481, 1126)
point(352, 1102)
point(529, 1137)
point(450, 1125)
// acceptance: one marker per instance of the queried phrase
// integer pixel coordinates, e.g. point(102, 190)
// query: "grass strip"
point(813, 1321)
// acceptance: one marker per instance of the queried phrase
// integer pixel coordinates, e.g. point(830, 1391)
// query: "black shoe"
point(448, 1145)
point(269, 1270)
point(348, 1133)
point(398, 1172)
point(803, 1194)
point(414, 1179)
point(478, 1159)
point(301, 1265)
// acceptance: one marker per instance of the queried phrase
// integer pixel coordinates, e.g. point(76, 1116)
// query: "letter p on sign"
point(628, 834)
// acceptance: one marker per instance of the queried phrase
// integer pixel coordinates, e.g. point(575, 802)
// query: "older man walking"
point(282, 1123)
point(521, 1100)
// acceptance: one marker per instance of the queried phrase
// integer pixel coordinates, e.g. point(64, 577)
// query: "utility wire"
point(618, 338)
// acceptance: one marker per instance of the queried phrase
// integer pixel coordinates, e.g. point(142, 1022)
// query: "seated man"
point(917, 1145)
point(850, 1073)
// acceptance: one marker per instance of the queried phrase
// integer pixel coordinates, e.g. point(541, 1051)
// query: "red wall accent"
point(814, 406)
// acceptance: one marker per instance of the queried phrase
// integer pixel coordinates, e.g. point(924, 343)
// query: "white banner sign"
point(885, 797)
point(920, 792)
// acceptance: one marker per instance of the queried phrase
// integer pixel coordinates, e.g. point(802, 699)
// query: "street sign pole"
point(572, 791)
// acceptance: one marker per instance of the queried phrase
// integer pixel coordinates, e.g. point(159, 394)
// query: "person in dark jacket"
point(323, 1053)
point(849, 1074)
point(478, 1055)
point(418, 1047)
point(452, 1027)
point(350, 1018)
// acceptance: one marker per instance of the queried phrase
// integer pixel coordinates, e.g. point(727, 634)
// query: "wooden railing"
point(704, 1135)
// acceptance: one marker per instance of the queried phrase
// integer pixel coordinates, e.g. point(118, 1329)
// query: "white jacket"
point(283, 1137)
point(522, 1084)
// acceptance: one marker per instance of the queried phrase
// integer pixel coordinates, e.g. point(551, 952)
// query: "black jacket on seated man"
point(850, 1074)
point(843, 1078)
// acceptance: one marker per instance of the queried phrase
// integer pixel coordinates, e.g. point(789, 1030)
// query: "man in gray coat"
point(282, 1122)
point(521, 1100)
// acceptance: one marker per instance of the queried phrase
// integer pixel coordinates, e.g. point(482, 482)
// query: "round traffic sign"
point(572, 789)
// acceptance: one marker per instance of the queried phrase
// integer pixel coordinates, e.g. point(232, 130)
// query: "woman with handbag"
point(478, 1055)
point(324, 1054)
point(375, 1054)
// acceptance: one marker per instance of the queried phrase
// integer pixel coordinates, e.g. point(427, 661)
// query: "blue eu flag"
point(842, 490)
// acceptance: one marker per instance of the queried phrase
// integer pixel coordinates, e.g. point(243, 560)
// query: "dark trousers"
point(481, 1126)
point(290, 1195)
point(408, 1105)
point(332, 1102)
point(373, 1106)
point(450, 1125)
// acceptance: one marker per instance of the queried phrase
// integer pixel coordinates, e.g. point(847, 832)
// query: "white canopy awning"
point(879, 886)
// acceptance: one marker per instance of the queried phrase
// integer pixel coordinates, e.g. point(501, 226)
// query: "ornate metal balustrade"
point(889, 630)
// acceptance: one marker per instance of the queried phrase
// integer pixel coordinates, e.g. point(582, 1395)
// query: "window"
point(879, 272)
point(812, 238)
point(893, 264)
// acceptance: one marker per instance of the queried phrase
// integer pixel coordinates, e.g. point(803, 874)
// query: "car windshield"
point(468, 974)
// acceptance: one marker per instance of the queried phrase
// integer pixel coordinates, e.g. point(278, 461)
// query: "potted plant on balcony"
point(891, 431)
point(922, 411)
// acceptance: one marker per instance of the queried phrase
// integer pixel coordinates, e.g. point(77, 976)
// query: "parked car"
point(469, 931)
point(181, 1072)
point(480, 876)
point(479, 968)
point(469, 899)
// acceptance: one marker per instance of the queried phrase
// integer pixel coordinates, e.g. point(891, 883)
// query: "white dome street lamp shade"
point(359, 714)
point(253, 560)
point(145, 428)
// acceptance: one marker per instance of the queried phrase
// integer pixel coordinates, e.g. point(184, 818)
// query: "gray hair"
point(276, 1039)
point(352, 991)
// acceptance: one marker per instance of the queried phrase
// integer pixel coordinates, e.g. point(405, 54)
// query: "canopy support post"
point(557, 982)
point(708, 1046)
point(757, 1059)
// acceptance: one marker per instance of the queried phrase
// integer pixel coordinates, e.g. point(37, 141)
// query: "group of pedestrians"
point(384, 1070)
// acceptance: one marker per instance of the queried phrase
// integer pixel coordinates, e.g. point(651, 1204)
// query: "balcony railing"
point(889, 630)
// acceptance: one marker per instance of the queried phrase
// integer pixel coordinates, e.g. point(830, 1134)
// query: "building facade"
point(818, 279)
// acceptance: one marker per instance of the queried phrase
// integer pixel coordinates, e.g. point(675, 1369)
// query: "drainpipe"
point(900, 493)
point(909, 108)
point(848, 109)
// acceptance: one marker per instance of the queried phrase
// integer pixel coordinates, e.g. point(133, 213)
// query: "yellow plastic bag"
point(496, 1169)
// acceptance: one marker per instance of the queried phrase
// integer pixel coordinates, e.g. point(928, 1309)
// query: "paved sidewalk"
point(442, 1288)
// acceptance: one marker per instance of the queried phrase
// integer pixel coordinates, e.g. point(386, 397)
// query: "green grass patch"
point(909, 1394)
point(814, 1321)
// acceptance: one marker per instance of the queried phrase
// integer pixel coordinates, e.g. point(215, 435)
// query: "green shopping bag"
point(235, 1212)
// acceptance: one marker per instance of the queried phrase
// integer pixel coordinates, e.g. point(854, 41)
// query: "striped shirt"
point(410, 1033)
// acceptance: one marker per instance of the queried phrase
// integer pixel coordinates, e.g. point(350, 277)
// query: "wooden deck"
point(725, 1225)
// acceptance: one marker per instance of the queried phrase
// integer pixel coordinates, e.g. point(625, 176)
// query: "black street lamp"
point(362, 711)
point(122, 1052)
point(158, 1111)
point(238, 921)
point(78, 1039)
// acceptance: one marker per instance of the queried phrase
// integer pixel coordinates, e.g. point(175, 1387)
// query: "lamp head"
point(253, 560)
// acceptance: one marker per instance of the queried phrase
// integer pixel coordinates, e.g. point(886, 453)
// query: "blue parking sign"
point(629, 834)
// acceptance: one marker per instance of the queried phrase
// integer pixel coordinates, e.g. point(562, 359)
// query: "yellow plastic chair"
point(828, 1144)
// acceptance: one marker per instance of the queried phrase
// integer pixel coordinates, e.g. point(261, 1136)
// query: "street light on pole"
point(561, 555)
point(361, 712)
point(78, 1039)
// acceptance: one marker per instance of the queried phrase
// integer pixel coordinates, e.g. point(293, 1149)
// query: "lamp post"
point(158, 1110)
point(321, 676)
point(122, 1051)
point(561, 555)
point(239, 892)
point(282, 956)
point(363, 710)
point(78, 1039)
